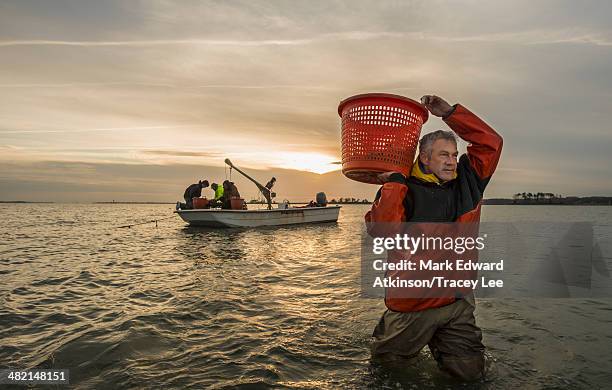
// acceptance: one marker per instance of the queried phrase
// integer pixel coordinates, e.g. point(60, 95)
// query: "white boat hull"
point(254, 218)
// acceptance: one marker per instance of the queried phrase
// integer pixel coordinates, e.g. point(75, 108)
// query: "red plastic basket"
point(236, 203)
point(380, 133)
point(200, 203)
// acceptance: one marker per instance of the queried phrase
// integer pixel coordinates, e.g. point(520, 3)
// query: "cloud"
point(81, 85)
point(73, 181)
point(162, 42)
point(533, 37)
point(101, 129)
point(177, 153)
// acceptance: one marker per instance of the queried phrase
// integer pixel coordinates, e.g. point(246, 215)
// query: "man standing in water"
point(439, 189)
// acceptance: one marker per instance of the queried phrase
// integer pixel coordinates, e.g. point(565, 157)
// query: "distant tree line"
point(526, 198)
point(538, 197)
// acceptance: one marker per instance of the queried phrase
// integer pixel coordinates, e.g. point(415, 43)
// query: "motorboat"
point(262, 217)
point(284, 214)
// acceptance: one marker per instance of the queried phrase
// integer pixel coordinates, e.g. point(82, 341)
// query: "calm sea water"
point(173, 306)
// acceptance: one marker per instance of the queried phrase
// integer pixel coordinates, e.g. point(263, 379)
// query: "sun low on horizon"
point(311, 162)
point(303, 161)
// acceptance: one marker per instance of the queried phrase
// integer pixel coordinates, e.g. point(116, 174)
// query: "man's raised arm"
point(485, 145)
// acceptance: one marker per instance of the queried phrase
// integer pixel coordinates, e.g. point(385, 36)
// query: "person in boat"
point(218, 197)
point(229, 191)
point(270, 184)
point(193, 191)
point(438, 189)
point(321, 201)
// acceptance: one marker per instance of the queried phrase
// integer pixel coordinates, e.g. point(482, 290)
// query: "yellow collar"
point(427, 177)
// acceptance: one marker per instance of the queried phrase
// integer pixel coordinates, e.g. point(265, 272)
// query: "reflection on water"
point(176, 306)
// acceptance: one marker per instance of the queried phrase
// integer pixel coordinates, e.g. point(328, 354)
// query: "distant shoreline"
point(21, 201)
point(569, 201)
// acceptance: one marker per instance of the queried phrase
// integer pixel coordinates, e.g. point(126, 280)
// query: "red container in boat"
point(237, 203)
point(200, 203)
point(380, 133)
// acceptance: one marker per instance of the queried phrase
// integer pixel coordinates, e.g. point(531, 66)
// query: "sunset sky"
point(135, 100)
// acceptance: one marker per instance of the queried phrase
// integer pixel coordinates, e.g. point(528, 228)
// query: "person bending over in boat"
point(217, 201)
point(229, 191)
point(193, 191)
point(439, 189)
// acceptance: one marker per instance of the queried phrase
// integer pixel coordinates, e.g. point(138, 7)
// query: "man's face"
point(443, 160)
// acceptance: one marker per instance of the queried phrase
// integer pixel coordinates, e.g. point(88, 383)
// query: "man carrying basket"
point(438, 189)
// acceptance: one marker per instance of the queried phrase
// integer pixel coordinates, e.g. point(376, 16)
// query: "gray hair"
point(427, 141)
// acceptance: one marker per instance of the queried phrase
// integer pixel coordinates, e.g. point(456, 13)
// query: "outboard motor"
point(321, 199)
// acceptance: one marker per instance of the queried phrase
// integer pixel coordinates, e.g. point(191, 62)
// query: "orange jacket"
point(396, 204)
